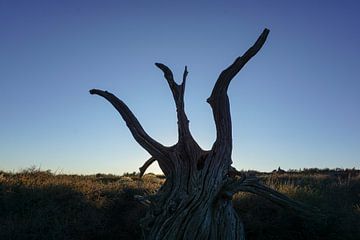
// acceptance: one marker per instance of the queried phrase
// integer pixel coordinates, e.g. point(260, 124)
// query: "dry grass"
point(37, 204)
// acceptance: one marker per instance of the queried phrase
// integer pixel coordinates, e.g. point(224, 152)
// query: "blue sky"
point(295, 104)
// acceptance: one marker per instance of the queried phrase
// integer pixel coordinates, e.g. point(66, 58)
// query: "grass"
point(37, 204)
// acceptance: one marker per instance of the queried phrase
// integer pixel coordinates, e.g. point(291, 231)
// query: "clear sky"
point(294, 105)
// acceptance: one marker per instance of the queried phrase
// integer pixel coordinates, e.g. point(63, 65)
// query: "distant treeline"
point(332, 171)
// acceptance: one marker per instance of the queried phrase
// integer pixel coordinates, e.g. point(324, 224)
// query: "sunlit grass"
point(37, 204)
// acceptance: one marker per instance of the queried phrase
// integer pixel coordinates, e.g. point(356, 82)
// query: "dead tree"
point(195, 199)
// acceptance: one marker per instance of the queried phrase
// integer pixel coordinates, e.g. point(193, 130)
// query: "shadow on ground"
point(60, 212)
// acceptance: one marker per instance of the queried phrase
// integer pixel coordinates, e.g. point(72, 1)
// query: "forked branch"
point(178, 94)
point(153, 147)
point(219, 100)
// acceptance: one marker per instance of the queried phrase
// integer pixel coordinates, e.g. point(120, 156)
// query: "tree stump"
point(195, 199)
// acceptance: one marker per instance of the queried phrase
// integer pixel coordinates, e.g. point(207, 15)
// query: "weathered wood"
point(195, 199)
point(146, 165)
point(153, 147)
point(178, 94)
point(251, 184)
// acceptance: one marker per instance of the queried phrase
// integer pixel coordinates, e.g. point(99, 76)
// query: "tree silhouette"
point(195, 199)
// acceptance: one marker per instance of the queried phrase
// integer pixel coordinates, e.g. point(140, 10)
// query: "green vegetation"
point(38, 204)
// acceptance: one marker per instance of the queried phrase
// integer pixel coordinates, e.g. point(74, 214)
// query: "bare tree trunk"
point(195, 200)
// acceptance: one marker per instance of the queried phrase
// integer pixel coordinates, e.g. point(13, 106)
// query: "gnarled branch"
point(251, 184)
point(149, 144)
point(219, 100)
point(146, 165)
point(178, 94)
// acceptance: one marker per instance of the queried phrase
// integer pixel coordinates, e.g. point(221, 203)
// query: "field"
point(37, 204)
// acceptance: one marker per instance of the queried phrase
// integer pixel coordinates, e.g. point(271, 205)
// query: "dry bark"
point(195, 199)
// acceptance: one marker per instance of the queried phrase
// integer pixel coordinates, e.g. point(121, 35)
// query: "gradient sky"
point(294, 105)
